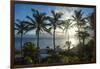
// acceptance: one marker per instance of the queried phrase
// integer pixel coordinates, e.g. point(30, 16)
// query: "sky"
point(22, 10)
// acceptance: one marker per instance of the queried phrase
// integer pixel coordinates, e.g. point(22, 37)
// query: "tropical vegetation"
point(30, 52)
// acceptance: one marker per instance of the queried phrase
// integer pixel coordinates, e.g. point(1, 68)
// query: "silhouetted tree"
point(67, 25)
point(55, 21)
point(38, 22)
point(21, 30)
point(80, 21)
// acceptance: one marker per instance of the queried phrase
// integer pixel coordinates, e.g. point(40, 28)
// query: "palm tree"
point(80, 22)
point(79, 19)
point(21, 30)
point(67, 25)
point(83, 35)
point(38, 22)
point(55, 22)
point(91, 18)
point(82, 49)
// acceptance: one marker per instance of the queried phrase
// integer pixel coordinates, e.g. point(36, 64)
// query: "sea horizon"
point(43, 42)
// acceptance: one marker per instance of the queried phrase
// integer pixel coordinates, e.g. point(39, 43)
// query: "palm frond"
point(32, 20)
point(16, 25)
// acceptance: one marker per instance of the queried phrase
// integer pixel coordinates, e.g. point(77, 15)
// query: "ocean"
point(43, 42)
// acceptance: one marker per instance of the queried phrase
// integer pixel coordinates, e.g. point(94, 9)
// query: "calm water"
point(43, 42)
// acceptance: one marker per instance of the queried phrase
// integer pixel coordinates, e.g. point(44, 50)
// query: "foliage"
point(40, 22)
point(54, 58)
point(30, 52)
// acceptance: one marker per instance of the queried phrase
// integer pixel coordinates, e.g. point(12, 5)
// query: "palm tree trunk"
point(65, 35)
point(68, 46)
point(21, 47)
point(79, 37)
point(68, 41)
point(54, 39)
point(83, 45)
point(78, 32)
point(83, 42)
point(38, 40)
point(38, 46)
point(21, 44)
point(83, 49)
point(79, 50)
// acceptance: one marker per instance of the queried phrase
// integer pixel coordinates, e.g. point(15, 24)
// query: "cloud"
point(67, 11)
